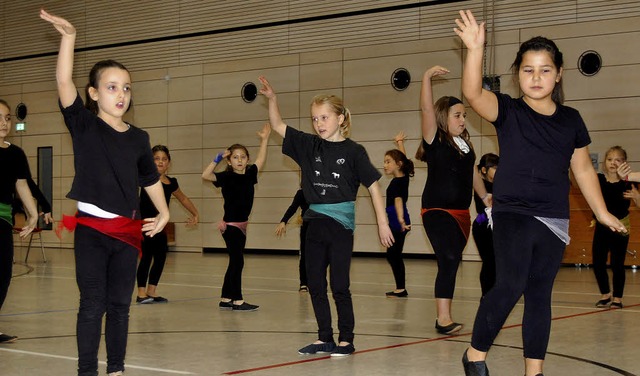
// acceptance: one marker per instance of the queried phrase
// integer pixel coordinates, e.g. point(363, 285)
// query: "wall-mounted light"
point(400, 79)
point(21, 114)
point(249, 92)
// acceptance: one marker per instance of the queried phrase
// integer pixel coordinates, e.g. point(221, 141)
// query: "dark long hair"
point(406, 164)
point(163, 149)
point(542, 44)
point(94, 79)
point(487, 161)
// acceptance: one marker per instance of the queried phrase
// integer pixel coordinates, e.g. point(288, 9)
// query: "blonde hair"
point(337, 106)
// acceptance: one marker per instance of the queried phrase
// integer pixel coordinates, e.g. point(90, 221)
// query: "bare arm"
point(427, 111)
point(384, 232)
point(188, 204)
point(27, 200)
point(399, 205)
point(275, 119)
point(264, 141)
point(625, 173)
point(481, 190)
point(472, 34)
point(399, 140)
point(64, 68)
point(208, 174)
point(587, 180)
point(152, 226)
point(633, 194)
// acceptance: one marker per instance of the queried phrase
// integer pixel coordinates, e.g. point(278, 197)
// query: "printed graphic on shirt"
point(328, 175)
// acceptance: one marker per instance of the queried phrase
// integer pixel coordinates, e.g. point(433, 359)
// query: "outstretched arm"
point(625, 173)
point(428, 114)
point(208, 174)
point(264, 141)
point(27, 200)
point(384, 232)
point(275, 118)
point(152, 226)
point(399, 140)
point(188, 204)
point(472, 34)
point(64, 68)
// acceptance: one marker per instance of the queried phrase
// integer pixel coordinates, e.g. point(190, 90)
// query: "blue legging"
point(528, 257)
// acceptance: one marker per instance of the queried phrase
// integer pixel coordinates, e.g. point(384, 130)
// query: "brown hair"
point(441, 109)
point(94, 79)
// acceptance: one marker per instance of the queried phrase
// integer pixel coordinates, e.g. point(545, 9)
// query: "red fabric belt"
point(121, 228)
point(461, 216)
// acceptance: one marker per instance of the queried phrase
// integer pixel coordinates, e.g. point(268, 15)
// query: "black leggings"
point(6, 258)
point(394, 257)
point(483, 237)
point(528, 257)
point(302, 268)
point(448, 242)
point(155, 249)
point(605, 241)
point(235, 240)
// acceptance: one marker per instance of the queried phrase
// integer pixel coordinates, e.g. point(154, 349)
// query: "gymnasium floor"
point(190, 336)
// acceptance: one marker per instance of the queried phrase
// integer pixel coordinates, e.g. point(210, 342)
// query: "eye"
point(127, 88)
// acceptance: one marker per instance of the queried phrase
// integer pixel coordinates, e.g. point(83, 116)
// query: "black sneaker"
point(320, 348)
point(159, 299)
point(5, 338)
point(225, 306)
point(245, 307)
point(144, 300)
point(448, 329)
point(603, 303)
point(343, 350)
point(393, 294)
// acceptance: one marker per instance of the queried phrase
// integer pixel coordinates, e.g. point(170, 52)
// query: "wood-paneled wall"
point(190, 59)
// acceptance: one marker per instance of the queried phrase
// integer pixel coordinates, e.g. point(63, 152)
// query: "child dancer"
point(617, 193)
point(111, 159)
point(156, 248)
point(237, 184)
point(482, 233)
point(448, 190)
point(400, 167)
point(281, 229)
point(14, 174)
point(539, 140)
point(333, 167)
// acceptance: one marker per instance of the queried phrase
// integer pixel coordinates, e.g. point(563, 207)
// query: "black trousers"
point(302, 268)
point(105, 273)
point(153, 250)
point(528, 256)
point(394, 257)
point(6, 258)
point(235, 240)
point(330, 245)
point(483, 237)
point(606, 241)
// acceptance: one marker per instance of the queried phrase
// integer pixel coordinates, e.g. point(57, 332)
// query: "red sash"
point(461, 216)
point(121, 228)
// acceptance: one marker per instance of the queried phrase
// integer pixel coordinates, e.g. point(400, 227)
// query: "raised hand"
point(62, 25)
point(266, 88)
point(434, 71)
point(400, 137)
point(471, 33)
point(265, 131)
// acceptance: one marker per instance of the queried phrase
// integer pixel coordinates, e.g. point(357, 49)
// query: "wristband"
point(218, 158)
point(626, 178)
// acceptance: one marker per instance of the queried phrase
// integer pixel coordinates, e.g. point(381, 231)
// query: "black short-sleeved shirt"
point(110, 166)
point(535, 156)
point(449, 182)
point(613, 196)
point(237, 191)
point(147, 208)
point(14, 166)
point(398, 187)
point(331, 171)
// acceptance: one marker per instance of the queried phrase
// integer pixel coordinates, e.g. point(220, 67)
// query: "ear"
point(559, 75)
point(93, 93)
point(483, 170)
point(340, 119)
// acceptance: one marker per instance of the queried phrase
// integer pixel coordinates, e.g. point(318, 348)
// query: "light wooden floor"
point(190, 336)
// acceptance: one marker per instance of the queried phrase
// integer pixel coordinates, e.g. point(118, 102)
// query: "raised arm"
point(264, 141)
point(152, 226)
point(64, 68)
point(428, 114)
point(384, 232)
point(275, 119)
point(588, 182)
point(27, 201)
point(208, 174)
point(472, 34)
point(399, 140)
point(188, 204)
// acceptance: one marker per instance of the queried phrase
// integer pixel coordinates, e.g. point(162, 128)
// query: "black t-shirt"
point(398, 187)
point(535, 154)
point(237, 191)
point(109, 165)
point(449, 182)
point(613, 196)
point(331, 171)
point(147, 208)
point(14, 166)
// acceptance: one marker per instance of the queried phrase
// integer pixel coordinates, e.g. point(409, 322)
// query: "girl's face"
point(455, 120)
point(113, 93)
point(238, 160)
point(391, 167)
point(5, 121)
point(538, 75)
point(326, 122)
point(489, 173)
point(162, 161)
point(612, 161)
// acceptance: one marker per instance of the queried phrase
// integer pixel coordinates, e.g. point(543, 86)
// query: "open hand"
point(471, 33)
point(62, 25)
point(266, 88)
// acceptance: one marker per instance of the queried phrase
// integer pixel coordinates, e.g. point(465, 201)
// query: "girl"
point(13, 178)
point(448, 190)
point(482, 233)
point(237, 183)
point(400, 167)
point(281, 229)
point(539, 140)
point(111, 159)
point(616, 192)
point(333, 167)
point(156, 248)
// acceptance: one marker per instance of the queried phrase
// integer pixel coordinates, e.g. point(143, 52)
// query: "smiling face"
point(5, 121)
point(162, 162)
point(113, 93)
point(326, 122)
point(538, 75)
point(456, 119)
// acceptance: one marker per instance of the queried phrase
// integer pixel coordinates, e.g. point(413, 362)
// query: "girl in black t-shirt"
point(617, 193)
point(400, 167)
point(237, 184)
point(155, 249)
